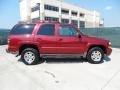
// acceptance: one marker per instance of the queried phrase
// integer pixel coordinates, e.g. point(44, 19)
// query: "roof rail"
point(24, 22)
point(28, 22)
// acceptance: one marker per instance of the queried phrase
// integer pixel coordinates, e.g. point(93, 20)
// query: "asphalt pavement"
point(59, 73)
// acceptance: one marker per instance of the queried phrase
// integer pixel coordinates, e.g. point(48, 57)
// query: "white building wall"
point(91, 18)
point(24, 10)
point(51, 13)
point(34, 14)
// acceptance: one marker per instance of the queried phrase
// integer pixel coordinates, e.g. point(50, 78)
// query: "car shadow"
point(63, 60)
point(52, 60)
point(107, 59)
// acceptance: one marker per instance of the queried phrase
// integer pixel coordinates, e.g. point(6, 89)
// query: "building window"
point(65, 21)
point(74, 13)
point(47, 29)
point(36, 19)
point(75, 22)
point(63, 11)
point(51, 19)
point(82, 24)
point(52, 8)
point(37, 7)
point(82, 14)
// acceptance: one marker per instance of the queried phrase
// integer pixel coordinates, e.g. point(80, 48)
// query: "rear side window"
point(22, 29)
point(47, 29)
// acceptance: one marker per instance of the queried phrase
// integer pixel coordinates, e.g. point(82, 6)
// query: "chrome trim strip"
point(62, 55)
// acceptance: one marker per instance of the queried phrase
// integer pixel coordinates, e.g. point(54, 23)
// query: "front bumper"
point(109, 51)
point(7, 51)
point(12, 52)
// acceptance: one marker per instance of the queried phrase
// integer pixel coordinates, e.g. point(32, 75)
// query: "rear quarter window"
point(22, 29)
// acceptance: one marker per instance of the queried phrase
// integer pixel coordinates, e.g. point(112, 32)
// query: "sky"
point(109, 10)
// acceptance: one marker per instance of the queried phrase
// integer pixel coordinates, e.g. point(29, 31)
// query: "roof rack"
point(24, 22)
point(28, 22)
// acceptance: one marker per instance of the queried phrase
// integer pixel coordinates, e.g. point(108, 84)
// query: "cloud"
point(108, 8)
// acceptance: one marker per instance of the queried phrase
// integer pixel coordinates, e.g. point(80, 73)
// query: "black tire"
point(94, 58)
point(32, 52)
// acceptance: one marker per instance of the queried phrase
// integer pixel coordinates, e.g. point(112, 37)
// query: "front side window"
point(67, 31)
point(47, 29)
point(22, 29)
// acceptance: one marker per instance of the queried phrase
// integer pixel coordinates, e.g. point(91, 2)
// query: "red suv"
point(42, 39)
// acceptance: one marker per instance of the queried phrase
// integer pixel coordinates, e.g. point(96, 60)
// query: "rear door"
point(46, 38)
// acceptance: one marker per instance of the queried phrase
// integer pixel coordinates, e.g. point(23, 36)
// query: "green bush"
point(4, 36)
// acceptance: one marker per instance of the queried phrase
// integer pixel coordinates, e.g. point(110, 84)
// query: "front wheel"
point(30, 56)
point(95, 55)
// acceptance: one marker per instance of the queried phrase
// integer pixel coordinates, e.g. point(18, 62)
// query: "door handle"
point(39, 39)
point(60, 39)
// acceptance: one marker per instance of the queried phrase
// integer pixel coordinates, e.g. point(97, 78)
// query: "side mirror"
point(78, 35)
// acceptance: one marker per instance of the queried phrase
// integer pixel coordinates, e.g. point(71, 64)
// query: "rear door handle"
point(39, 39)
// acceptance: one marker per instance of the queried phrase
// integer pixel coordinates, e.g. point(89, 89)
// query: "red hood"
point(95, 40)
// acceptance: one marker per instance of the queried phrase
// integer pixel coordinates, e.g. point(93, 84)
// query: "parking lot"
point(59, 74)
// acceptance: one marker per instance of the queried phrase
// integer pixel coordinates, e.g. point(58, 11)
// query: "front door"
point(68, 41)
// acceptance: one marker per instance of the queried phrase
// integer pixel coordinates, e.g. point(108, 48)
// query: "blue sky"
point(109, 9)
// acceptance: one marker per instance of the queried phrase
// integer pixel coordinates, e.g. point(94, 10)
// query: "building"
point(58, 10)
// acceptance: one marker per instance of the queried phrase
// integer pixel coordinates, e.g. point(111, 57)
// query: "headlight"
point(110, 44)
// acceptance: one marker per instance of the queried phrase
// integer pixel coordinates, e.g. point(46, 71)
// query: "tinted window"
point(67, 31)
point(47, 29)
point(22, 29)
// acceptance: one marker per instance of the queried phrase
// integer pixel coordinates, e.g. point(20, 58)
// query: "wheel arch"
point(100, 46)
point(24, 46)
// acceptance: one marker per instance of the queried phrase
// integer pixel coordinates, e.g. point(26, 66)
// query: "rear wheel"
point(95, 55)
point(30, 56)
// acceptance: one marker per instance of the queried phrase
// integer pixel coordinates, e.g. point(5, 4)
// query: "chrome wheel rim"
point(29, 57)
point(96, 56)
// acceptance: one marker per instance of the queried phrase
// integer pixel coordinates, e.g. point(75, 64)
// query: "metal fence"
point(3, 36)
point(112, 34)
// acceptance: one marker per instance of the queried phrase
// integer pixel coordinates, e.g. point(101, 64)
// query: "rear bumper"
point(109, 51)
